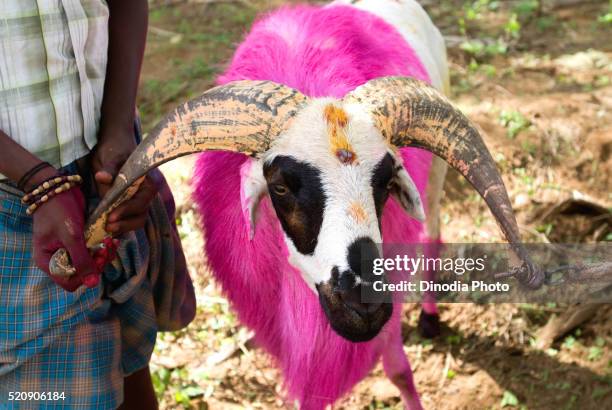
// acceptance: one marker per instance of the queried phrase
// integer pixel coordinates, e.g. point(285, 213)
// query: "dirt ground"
point(537, 78)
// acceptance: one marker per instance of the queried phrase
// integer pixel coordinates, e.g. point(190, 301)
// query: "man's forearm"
point(127, 37)
point(15, 160)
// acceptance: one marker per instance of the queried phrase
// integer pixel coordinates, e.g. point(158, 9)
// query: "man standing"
point(69, 72)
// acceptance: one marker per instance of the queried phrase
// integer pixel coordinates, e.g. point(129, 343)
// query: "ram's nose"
point(361, 256)
point(352, 283)
point(352, 298)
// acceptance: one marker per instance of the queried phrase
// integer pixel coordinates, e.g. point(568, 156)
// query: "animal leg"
point(397, 369)
point(312, 404)
point(429, 321)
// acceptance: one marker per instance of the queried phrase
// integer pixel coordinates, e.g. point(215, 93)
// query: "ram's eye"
point(280, 189)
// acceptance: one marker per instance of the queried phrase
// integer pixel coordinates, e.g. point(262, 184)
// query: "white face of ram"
point(328, 177)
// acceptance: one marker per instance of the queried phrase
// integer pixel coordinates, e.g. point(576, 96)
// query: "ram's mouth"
point(352, 319)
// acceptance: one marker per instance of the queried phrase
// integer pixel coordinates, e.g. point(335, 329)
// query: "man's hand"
point(59, 223)
point(108, 157)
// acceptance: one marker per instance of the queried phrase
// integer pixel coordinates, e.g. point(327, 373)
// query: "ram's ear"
point(252, 187)
point(405, 191)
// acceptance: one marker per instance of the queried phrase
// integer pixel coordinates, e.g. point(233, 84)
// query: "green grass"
point(526, 8)
point(509, 399)
point(515, 122)
point(480, 49)
point(190, 60)
point(606, 18)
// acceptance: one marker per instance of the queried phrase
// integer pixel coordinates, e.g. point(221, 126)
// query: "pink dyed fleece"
point(321, 52)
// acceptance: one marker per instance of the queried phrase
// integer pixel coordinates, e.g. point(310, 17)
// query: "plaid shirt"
point(53, 57)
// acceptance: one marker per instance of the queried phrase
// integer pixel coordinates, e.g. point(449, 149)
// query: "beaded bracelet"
point(48, 195)
point(47, 184)
point(48, 189)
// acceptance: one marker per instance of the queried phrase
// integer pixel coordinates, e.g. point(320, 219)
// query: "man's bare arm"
point(15, 161)
point(127, 37)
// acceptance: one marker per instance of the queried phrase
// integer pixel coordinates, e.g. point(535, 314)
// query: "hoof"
point(429, 325)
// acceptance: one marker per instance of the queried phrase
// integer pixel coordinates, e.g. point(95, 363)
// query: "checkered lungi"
point(81, 345)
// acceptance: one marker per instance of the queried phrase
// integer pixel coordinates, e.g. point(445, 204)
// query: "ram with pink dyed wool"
point(320, 139)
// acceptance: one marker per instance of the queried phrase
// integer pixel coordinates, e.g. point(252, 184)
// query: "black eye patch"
point(382, 175)
point(300, 209)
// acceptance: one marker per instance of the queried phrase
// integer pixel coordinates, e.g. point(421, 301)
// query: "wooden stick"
point(560, 325)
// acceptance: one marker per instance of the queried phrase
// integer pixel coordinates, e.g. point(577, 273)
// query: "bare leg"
point(138, 392)
point(398, 370)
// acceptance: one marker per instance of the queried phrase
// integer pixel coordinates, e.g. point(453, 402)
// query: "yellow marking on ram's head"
point(357, 212)
point(337, 120)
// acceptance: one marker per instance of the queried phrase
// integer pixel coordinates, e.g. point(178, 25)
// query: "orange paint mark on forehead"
point(335, 116)
point(357, 212)
point(337, 120)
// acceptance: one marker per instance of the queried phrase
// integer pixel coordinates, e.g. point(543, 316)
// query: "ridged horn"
point(243, 116)
point(410, 113)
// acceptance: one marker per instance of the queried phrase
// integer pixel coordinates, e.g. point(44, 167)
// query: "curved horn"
point(410, 113)
point(243, 116)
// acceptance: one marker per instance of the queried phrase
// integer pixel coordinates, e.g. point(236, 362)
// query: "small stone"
point(521, 200)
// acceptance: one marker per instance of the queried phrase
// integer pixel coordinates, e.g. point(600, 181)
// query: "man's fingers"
point(103, 177)
point(133, 207)
point(111, 167)
point(127, 225)
point(82, 261)
point(42, 256)
point(137, 205)
point(42, 253)
point(104, 180)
